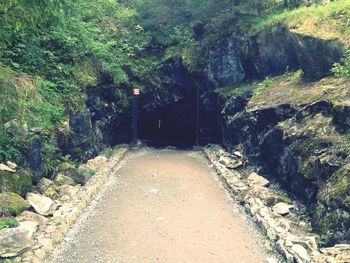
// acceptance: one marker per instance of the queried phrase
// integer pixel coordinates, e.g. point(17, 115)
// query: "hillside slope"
point(269, 77)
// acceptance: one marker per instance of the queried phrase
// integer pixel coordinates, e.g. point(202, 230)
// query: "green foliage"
point(10, 148)
point(343, 69)
point(8, 223)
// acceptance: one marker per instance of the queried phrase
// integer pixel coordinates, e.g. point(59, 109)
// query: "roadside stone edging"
point(71, 205)
point(258, 199)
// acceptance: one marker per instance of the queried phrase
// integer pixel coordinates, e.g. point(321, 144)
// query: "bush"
point(343, 69)
point(8, 223)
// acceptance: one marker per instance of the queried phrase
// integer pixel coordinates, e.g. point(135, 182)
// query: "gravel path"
point(161, 206)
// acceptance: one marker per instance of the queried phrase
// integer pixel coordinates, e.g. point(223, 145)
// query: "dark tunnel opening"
point(174, 125)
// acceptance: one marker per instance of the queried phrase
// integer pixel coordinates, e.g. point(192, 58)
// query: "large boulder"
point(15, 241)
point(44, 184)
point(48, 188)
point(17, 129)
point(12, 204)
point(43, 205)
point(62, 179)
point(79, 177)
point(256, 179)
point(19, 182)
point(31, 216)
point(94, 164)
point(64, 166)
point(276, 50)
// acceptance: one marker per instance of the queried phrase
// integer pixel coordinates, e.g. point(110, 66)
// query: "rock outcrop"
point(302, 147)
point(271, 52)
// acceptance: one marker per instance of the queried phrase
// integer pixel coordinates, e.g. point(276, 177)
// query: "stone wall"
point(54, 208)
point(273, 211)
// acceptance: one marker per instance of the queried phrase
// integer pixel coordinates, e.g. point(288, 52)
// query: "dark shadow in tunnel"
point(174, 125)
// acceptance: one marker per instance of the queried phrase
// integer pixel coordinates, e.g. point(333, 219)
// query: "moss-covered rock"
point(79, 176)
point(52, 192)
point(19, 182)
point(64, 166)
point(341, 117)
point(12, 204)
point(337, 190)
point(62, 179)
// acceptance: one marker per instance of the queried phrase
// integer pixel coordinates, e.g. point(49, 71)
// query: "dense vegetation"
point(52, 51)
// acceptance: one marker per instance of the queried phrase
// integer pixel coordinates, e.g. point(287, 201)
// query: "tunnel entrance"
point(174, 125)
point(178, 124)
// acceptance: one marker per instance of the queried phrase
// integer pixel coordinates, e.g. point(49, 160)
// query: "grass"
point(226, 92)
point(8, 223)
point(330, 22)
point(290, 88)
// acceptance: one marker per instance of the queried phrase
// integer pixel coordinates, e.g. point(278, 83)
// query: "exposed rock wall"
point(273, 51)
point(302, 148)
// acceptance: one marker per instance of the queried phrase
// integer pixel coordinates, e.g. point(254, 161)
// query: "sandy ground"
point(161, 206)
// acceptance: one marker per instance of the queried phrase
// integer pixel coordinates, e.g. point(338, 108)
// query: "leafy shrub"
point(343, 69)
point(8, 223)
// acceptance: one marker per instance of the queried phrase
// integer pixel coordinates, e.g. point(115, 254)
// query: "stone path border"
point(253, 193)
point(52, 233)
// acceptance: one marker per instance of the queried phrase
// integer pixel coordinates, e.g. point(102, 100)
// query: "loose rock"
point(15, 241)
point(62, 179)
point(4, 167)
point(301, 253)
point(11, 165)
point(42, 205)
point(256, 179)
point(282, 208)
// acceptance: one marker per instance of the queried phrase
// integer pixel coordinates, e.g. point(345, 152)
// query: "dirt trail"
point(162, 206)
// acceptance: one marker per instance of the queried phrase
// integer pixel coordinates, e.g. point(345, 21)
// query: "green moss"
point(8, 223)
point(12, 204)
point(64, 166)
point(226, 92)
point(337, 189)
point(329, 21)
point(19, 182)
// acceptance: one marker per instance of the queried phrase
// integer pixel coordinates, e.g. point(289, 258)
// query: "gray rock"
point(45, 184)
point(301, 252)
point(15, 241)
point(230, 163)
point(225, 66)
point(62, 179)
point(31, 216)
point(42, 205)
point(4, 167)
point(11, 165)
point(256, 179)
point(282, 208)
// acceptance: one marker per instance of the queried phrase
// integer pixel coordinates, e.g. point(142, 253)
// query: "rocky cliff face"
point(303, 149)
point(273, 51)
point(300, 143)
